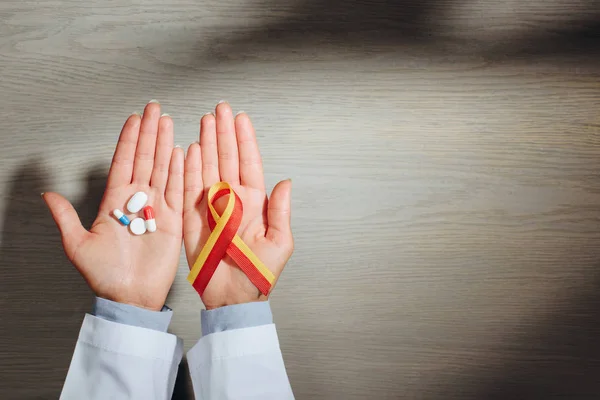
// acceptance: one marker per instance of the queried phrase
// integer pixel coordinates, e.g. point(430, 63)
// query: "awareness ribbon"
point(223, 240)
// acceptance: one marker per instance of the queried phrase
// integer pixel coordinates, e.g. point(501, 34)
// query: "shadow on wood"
point(43, 297)
point(560, 359)
point(357, 28)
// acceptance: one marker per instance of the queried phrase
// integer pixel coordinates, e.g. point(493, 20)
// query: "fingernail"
point(178, 146)
point(210, 113)
point(153, 101)
point(222, 101)
point(137, 113)
point(42, 194)
point(240, 112)
point(165, 115)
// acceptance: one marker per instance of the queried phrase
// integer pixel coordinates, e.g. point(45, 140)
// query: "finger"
point(229, 169)
point(251, 171)
point(174, 192)
point(192, 178)
point(279, 228)
point(164, 148)
point(121, 168)
point(144, 154)
point(73, 234)
point(208, 147)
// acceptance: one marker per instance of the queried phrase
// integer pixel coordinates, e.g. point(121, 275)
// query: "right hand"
point(228, 152)
point(136, 270)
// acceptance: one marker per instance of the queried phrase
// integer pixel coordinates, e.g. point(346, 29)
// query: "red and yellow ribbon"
point(224, 240)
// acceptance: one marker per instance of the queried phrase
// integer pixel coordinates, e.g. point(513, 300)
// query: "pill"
point(136, 202)
point(137, 226)
point(149, 217)
point(121, 217)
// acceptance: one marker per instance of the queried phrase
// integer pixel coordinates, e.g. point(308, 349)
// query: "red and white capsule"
point(149, 217)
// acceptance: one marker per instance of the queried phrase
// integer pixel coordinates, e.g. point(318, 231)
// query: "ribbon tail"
point(246, 265)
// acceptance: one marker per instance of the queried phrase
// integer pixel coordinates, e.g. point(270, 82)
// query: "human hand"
point(136, 270)
point(228, 152)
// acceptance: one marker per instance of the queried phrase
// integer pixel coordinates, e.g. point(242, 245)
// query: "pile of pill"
point(138, 226)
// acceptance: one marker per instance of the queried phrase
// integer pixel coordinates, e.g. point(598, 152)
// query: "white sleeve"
point(117, 361)
point(239, 364)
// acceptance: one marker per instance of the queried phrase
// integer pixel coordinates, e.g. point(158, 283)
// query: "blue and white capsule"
point(121, 217)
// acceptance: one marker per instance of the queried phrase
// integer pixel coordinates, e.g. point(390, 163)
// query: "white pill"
point(138, 226)
point(136, 202)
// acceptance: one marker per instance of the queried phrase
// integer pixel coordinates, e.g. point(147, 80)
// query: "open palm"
point(228, 152)
point(117, 265)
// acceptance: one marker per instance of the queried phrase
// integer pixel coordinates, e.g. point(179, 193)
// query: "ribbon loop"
point(222, 240)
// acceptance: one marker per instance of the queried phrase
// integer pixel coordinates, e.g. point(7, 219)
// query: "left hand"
point(136, 270)
point(228, 152)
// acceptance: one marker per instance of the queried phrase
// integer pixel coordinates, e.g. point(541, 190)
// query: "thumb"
point(67, 221)
point(279, 210)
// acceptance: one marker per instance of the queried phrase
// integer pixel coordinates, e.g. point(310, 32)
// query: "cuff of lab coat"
point(130, 340)
point(236, 316)
point(132, 315)
point(234, 343)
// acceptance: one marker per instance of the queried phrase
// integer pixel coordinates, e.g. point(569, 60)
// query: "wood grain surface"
point(445, 159)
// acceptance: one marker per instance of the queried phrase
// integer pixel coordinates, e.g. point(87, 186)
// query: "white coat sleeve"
point(241, 363)
point(118, 361)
